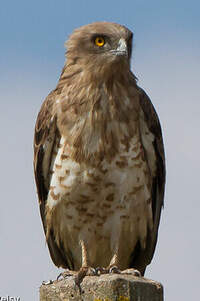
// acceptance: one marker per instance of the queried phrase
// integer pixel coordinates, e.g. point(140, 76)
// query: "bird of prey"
point(99, 158)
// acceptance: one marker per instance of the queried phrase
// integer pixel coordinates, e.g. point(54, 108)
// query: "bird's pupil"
point(99, 41)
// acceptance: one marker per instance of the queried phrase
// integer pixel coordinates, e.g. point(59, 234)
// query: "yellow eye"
point(99, 41)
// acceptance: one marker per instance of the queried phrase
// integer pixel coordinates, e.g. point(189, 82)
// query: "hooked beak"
point(121, 48)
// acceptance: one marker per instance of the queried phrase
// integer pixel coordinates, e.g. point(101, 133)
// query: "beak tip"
point(122, 47)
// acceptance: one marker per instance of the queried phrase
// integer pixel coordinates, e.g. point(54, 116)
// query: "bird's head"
point(100, 46)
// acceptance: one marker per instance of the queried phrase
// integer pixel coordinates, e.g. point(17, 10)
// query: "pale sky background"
point(166, 60)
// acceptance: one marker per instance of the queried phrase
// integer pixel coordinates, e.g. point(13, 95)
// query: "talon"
point(91, 272)
point(100, 271)
point(59, 276)
point(114, 270)
point(137, 273)
point(47, 282)
point(133, 272)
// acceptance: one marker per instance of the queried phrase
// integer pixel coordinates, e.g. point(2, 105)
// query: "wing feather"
point(141, 258)
point(46, 135)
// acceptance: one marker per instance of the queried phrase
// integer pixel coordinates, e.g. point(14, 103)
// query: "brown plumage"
point(99, 157)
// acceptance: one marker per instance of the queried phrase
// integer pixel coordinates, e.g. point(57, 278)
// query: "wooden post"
point(112, 287)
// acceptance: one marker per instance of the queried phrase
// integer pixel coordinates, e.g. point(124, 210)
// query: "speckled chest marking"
point(102, 205)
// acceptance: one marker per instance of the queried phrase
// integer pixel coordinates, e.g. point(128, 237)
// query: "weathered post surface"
point(112, 287)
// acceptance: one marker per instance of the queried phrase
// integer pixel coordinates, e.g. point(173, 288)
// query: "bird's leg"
point(86, 269)
point(113, 268)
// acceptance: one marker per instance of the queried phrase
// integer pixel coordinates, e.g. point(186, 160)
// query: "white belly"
point(108, 207)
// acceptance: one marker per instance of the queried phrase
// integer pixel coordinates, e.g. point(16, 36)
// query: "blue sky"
point(166, 60)
point(35, 30)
